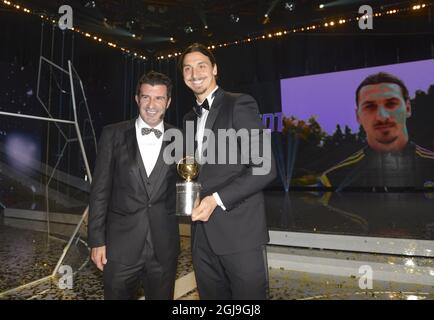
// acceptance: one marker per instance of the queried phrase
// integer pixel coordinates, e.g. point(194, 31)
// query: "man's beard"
point(200, 92)
point(385, 136)
point(387, 140)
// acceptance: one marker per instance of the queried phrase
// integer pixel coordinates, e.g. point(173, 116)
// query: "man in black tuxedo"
point(229, 230)
point(132, 230)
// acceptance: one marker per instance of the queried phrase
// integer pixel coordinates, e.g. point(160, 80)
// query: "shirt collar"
point(210, 97)
point(142, 124)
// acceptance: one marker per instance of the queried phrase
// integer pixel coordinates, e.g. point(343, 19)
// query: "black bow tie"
point(199, 107)
point(157, 132)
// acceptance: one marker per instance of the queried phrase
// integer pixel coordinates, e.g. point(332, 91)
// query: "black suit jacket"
point(125, 203)
point(243, 225)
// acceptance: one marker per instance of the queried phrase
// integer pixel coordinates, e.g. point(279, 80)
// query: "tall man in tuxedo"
point(133, 231)
point(229, 230)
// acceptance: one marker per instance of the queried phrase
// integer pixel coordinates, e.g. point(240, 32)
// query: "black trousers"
point(121, 282)
point(239, 276)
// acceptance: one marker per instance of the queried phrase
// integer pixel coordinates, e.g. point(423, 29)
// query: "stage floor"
point(28, 255)
point(292, 285)
point(30, 260)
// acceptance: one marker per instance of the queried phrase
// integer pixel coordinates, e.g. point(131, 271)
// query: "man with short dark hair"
point(132, 230)
point(383, 106)
point(390, 159)
point(229, 231)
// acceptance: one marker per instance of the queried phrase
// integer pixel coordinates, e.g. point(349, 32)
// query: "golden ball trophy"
point(188, 191)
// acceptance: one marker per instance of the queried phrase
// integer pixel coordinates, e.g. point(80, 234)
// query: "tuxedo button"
point(149, 205)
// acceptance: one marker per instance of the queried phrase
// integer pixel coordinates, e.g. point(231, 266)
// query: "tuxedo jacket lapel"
point(160, 170)
point(212, 116)
point(137, 166)
point(214, 111)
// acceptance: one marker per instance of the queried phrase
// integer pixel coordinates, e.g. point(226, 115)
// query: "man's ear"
point(408, 108)
point(168, 103)
point(214, 70)
point(137, 99)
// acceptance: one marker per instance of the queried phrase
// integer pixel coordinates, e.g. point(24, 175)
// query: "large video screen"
point(363, 128)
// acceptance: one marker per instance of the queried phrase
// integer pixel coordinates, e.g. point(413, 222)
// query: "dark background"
point(109, 77)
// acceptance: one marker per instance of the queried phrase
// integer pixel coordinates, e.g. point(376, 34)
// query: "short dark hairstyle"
point(196, 47)
point(155, 78)
point(383, 77)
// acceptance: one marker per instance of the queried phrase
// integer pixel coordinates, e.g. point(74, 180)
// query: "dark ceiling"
point(158, 27)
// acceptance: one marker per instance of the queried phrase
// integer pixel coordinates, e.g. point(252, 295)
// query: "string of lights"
point(331, 23)
point(83, 33)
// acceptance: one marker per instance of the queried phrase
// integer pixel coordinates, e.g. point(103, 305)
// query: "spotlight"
point(270, 9)
point(321, 6)
point(234, 18)
point(151, 8)
point(90, 4)
point(107, 24)
point(129, 24)
point(290, 5)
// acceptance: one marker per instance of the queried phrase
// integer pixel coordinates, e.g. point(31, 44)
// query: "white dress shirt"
point(149, 144)
point(201, 121)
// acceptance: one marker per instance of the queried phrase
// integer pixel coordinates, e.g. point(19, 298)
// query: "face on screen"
point(382, 111)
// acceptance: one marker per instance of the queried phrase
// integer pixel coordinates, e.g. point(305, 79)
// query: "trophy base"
point(187, 197)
